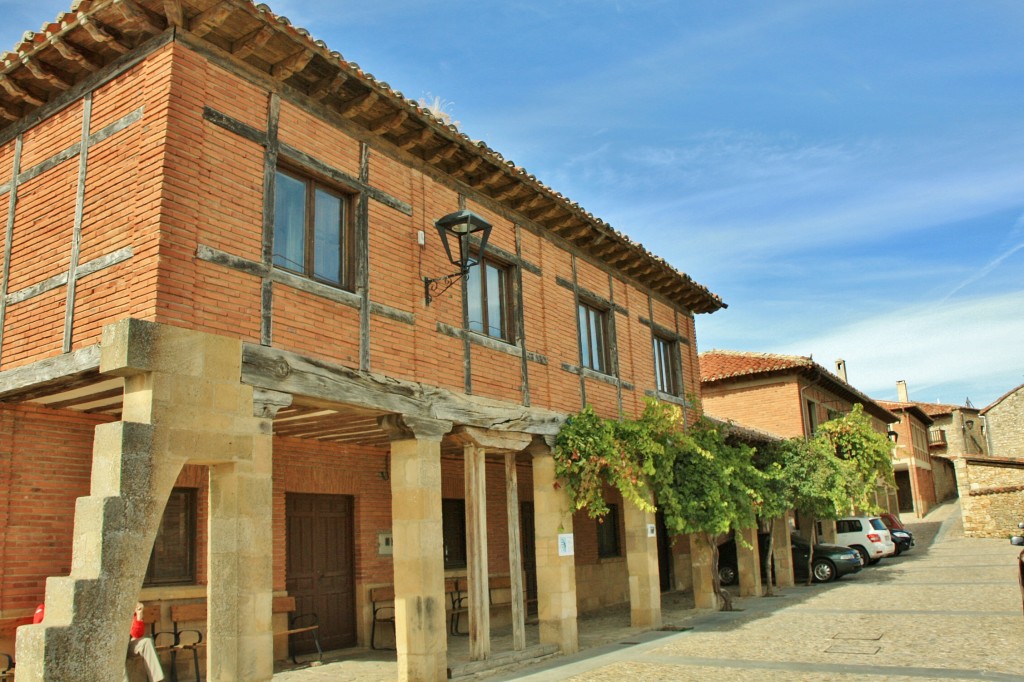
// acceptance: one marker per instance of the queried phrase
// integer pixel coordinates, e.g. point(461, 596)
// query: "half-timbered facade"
point(224, 378)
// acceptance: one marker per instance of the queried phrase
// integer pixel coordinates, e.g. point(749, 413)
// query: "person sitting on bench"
point(139, 646)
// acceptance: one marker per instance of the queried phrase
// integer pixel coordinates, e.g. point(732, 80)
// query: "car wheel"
point(865, 558)
point(824, 571)
point(726, 575)
point(872, 562)
point(899, 549)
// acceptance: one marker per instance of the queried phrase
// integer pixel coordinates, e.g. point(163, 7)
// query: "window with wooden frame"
point(668, 373)
point(488, 300)
point(312, 232)
point(453, 530)
point(173, 560)
point(593, 331)
point(608, 534)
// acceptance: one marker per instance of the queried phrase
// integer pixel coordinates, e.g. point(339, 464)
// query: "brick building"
point(221, 378)
point(786, 395)
point(912, 464)
point(1004, 424)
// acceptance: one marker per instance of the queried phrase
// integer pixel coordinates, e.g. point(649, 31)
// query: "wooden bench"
point(382, 602)
point(184, 640)
point(496, 585)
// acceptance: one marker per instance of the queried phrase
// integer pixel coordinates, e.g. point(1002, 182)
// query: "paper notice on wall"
point(652, 530)
point(565, 544)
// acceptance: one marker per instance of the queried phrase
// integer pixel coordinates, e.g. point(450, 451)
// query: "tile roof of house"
point(939, 409)
point(914, 408)
point(747, 434)
point(56, 60)
point(725, 365)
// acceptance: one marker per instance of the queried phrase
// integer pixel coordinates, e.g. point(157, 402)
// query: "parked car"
point(902, 537)
point(830, 561)
point(866, 534)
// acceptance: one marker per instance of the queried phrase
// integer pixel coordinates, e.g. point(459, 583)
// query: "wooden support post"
point(515, 555)
point(476, 551)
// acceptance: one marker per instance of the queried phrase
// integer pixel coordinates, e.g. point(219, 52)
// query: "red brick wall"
point(774, 407)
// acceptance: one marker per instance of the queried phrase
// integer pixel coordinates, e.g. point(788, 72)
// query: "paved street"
point(948, 610)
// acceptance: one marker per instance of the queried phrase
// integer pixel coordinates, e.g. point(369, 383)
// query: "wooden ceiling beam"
point(15, 89)
point(102, 34)
point(466, 168)
point(42, 73)
point(444, 152)
point(250, 42)
point(415, 138)
point(385, 124)
point(139, 16)
point(73, 53)
point(206, 21)
point(354, 107)
point(291, 65)
point(174, 13)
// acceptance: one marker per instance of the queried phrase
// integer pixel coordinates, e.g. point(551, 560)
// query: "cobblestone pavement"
point(949, 609)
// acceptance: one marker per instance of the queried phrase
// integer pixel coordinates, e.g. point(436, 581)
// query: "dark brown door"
point(321, 567)
point(529, 555)
point(664, 554)
point(904, 493)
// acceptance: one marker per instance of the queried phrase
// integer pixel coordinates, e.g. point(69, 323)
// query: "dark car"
point(830, 561)
point(903, 538)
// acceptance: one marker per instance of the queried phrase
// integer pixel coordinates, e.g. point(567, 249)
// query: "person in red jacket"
point(140, 646)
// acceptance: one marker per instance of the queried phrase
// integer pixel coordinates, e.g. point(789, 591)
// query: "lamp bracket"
point(435, 286)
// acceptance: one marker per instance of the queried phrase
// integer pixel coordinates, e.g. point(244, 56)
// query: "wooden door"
point(529, 555)
point(664, 554)
point(321, 566)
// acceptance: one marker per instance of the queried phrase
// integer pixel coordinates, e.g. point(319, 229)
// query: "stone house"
point(1004, 424)
point(787, 395)
point(230, 373)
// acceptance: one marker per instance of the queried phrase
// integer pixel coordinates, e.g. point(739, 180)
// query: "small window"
point(608, 534)
point(488, 295)
point(667, 372)
point(594, 338)
point(812, 417)
point(173, 560)
point(311, 232)
point(453, 527)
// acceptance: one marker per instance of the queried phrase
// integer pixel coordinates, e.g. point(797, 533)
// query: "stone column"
point(783, 552)
point(704, 596)
point(642, 565)
point(748, 561)
point(183, 402)
point(556, 570)
point(420, 632)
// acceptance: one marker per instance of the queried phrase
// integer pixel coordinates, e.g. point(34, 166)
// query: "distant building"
point(912, 465)
point(1004, 422)
point(787, 395)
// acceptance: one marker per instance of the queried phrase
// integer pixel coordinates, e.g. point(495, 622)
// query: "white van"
point(866, 534)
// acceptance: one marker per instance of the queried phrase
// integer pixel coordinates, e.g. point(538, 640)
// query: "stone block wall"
point(1005, 421)
point(991, 495)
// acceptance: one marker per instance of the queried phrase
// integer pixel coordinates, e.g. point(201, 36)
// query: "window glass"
point(877, 524)
point(311, 230)
point(593, 348)
point(666, 366)
point(487, 300)
point(289, 223)
point(327, 234)
point(173, 559)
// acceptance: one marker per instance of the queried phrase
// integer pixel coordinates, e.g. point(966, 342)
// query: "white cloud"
point(972, 342)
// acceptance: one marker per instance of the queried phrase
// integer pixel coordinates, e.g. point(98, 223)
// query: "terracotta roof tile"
point(724, 364)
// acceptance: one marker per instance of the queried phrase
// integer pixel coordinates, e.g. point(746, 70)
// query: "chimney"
point(841, 369)
point(901, 391)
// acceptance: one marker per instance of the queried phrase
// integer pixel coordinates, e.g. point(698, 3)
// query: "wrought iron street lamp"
point(459, 226)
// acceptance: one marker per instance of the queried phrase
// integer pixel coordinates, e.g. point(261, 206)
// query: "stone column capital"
point(492, 440)
point(542, 446)
point(408, 427)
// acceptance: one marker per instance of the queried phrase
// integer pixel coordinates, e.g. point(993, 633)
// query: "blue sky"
point(847, 175)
